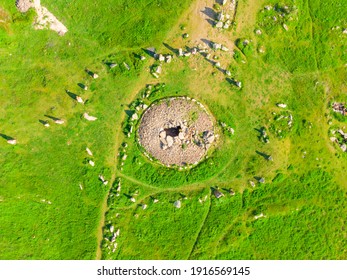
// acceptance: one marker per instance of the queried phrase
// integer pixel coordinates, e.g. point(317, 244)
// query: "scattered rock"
point(261, 215)
point(158, 69)
point(161, 58)
point(219, 24)
point(102, 179)
point(79, 99)
point(89, 118)
point(168, 59)
point(169, 141)
point(220, 16)
point(24, 5)
point(92, 163)
point(208, 137)
point(217, 193)
point(339, 108)
point(45, 123)
point(177, 204)
point(261, 180)
point(134, 117)
point(58, 121)
point(216, 46)
point(281, 105)
point(12, 141)
point(89, 151)
point(261, 49)
point(127, 66)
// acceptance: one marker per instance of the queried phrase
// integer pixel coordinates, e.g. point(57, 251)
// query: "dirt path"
point(118, 140)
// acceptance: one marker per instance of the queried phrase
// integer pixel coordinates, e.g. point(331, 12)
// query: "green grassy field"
point(44, 214)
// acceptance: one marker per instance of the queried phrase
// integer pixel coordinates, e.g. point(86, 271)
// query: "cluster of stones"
point(168, 135)
point(110, 242)
point(339, 137)
point(156, 70)
point(225, 17)
point(191, 51)
point(283, 13)
point(150, 88)
point(227, 127)
point(339, 108)
point(263, 137)
point(344, 30)
point(123, 154)
point(183, 135)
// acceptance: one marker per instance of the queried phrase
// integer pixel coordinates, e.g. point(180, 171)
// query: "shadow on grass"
point(6, 137)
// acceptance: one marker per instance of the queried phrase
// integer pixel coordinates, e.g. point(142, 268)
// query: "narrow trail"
point(201, 227)
point(118, 140)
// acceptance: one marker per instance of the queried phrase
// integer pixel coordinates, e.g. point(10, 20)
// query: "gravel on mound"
point(176, 131)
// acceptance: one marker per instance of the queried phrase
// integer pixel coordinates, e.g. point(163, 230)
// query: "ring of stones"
point(176, 131)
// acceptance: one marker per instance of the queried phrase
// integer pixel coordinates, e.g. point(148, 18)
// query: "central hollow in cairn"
point(176, 131)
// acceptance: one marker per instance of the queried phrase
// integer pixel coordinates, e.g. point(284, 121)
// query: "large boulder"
point(170, 141)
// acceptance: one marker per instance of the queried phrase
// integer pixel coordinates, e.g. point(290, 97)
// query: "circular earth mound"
point(176, 131)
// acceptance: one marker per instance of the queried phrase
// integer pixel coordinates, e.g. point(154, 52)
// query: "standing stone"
point(12, 141)
point(79, 99)
point(89, 151)
point(177, 204)
point(126, 66)
point(88, 117)
point(281, 105)
point(219, 24)
point(59, 121)
point(170, 141)
point(134, 117)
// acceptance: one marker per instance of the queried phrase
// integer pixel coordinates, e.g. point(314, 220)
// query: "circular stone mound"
point(176, 131)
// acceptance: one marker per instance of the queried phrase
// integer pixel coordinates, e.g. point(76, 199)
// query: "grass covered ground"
point(45, 214)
